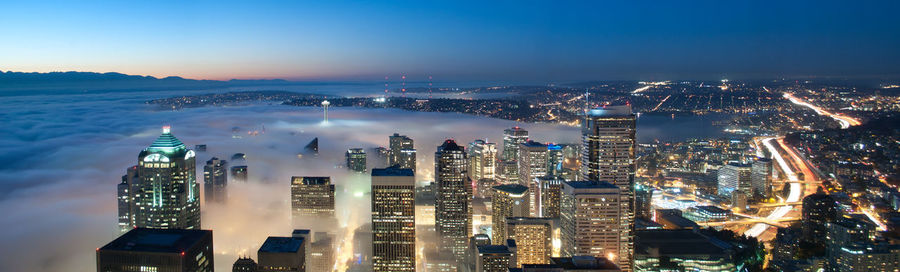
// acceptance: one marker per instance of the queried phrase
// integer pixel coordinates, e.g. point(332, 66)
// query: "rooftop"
point(281, 244)
point(158, 240)
point(493, 249)
point(533, 144)
point(608, 111)
point(166, 143)
point(583, 262)
point(512, 188)
point(392, 171)
point(591, 184)
point(678, 243)
point(311, 180)
point(450, 145)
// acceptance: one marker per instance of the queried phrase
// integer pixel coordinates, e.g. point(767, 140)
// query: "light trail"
point(845, 121)
point(793, 196)
point(641, 89)
point(874, 218)
point(781, 162)
point(661, 102)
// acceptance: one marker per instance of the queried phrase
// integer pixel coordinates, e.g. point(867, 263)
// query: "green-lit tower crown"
point(166, 193)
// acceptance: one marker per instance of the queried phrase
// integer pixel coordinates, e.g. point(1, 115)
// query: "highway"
point(796, 187)
point(845, 121)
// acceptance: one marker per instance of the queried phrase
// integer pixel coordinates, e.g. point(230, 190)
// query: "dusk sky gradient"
point(467, 40)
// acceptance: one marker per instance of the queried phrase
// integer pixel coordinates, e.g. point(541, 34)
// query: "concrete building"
point(593, 223)
point(532, 164)
point(312, 196)
point(393, 219)
point(508, 200)
point(170, 250)
point(533, 238)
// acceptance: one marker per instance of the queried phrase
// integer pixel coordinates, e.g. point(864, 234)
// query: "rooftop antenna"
point(385, 85)
point(325, 105)
point(402, 85)
point(429, 86)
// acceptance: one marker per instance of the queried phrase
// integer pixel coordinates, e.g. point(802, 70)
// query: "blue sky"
point(465, 40)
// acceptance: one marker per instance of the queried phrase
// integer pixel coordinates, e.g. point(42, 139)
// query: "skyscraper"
point(166, 194)
point(494, 258)
point(533, 236)
point(734, 177)
point(512, 137)
point(550, 192)
point(356, 160)
point(143, 249)
point(482, 160)
point(125, 199)
point(244, 264)
point(403, 152)
point(555, 158)
point(393, 219)
point(608, 138)
point(508, 200)
point(532, 164)
point(215, 180)
point(761, 177)
point(282, 254)
point(508, 172)
point(453, 198)
point(591, 222)
point(312, 196)
point(239, 173)
point(818, 210)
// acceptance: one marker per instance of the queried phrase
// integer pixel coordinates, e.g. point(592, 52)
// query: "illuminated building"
point(495, 258)
point(321, 253)
point(356, 160)
point(403, 152)
point(512, 137)
point(312, 196)
point(532, 164)
point(707, 214)
point(818, 210)
point(244, 264)
point(591, 222)
point(734, 177)
point(482, 160)
point(215, 180)
point(684, 250)
point(643, 196)
point(472, 252)
point(533, 237)
point(144, 249)
point(549, 195)
point(382, 156)
point(555, 159)
point(166, 194)
point(508, 200)
point(847, 232)
point(867, 257)
point(761, 177)
point(453, 198)
point(508, 172)
point(125, 198)
point(608, 152)
point(282, 254)
point(393, 219)
point(239, 173)
point(438, 260)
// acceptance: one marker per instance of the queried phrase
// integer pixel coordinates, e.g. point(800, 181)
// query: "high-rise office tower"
point(239, 173)
point(215, 180)
point(608, 152)
point(508, 200)
point(550, 191)
point(482, 160)
point(761, 177)
point(321, 255)
point(282, 254)
point(508, 172)
point(125, 199)
point(356, 159)
point(453, 198)
point(312, 196)
point(403, 152)
point(533, 236)
point(512, 137)
point(591, 222)
point(532, 164)
point(734, 177)
point(166, 194)
point(555, 158)
point(144, 249)
point(393, 219)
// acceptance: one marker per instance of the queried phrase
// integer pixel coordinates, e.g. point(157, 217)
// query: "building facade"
point(215, 180)
point(591, 222)
point(761, 177)
point(170, 250)
point(403, 152)
point(166, 194)
point(532, 161)
point(734, 177)
point(512, 137)
point(393, 219)
point(312, 196)
point(508, 200)
point(453, 198)
point(482, 160)
point(533, 236)
point(356, 160)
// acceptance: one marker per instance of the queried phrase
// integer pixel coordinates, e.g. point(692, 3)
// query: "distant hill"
point(24, 83)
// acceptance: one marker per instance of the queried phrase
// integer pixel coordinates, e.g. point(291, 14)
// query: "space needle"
point(325, 105)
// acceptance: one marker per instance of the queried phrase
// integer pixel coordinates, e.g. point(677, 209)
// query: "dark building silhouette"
point(244, 264)
point(215, 180)
point(453, 202)
point(818, 210)
point(171, 250)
